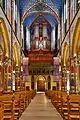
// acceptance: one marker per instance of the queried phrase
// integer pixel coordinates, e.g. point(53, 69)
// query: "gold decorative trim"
point(76, 37)
point(4, 33)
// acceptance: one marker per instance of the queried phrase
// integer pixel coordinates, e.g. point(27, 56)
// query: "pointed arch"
point(16, 54)
point(40, 76)
point(65, 53)
point(27, 12)
point(6, 42)
point(43, 17)
point(76, 37)
point(41, 80)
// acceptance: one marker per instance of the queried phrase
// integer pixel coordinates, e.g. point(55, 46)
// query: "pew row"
point(14, 104)
point(68, 105)
point(1, 111)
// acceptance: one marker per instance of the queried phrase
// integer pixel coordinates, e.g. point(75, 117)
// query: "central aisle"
point(40, 109)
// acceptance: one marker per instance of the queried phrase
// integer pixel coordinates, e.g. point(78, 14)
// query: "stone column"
point(76, 76)
point(58, 41)
point(79, 75)
point(44, 30)
point(68, 80)
point(27, 38)
point(36, 85)
point(53, 39)
point(1, 69)
point(17, 79)
point(25, 70)
point(36, 30)
point(13, 82)
point(64, 79)
point(36, 35)
point(78, 67)
point(59, 73)
point(45, 36)
point(5, 69)
point(9, 73)
point(22, 36)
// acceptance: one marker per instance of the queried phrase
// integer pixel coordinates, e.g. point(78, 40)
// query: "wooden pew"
point(74, 107)
point(1, 111)
point(15, 103)
point(28, 97)
point(21, 101)
point(16, 107)
point(64, 105)
point(8, 102)
point(49, 94)
point(33, 93)
point(67, 104)
point(58, 101)
point(54, 98)
point(24, 99)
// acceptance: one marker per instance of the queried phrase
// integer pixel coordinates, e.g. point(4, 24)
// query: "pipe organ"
point(41, 38)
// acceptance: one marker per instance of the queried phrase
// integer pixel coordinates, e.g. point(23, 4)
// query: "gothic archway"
point(16, 54)
point(76, 56)
point(4, 55)
point(16, 66)
point(65, 62)
point(41, 83)
point(65, 53)
point(76, 38)
point(5, 43)
point(52, 11)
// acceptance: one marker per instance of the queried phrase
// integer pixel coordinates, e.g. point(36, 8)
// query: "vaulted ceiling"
point(31, 9)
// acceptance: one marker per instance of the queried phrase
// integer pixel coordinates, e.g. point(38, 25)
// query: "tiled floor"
point(40, 109)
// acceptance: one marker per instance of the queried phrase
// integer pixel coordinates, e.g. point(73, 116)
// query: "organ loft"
point(41, 35)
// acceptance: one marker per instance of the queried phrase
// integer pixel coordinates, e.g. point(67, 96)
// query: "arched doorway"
point(41, 83)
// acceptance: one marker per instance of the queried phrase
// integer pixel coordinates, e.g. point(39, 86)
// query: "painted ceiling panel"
point(58, 4)
point(54, 6)
point(29, 20)
point(40, 8)
point(51, 19)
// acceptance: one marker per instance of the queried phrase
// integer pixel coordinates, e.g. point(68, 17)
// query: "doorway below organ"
point(41, 83)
